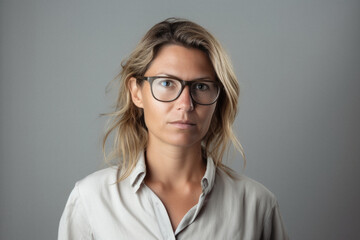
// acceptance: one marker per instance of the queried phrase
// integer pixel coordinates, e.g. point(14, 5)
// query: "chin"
point(184, 142)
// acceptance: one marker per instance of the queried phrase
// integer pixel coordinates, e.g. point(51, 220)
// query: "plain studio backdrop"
point(298, 65)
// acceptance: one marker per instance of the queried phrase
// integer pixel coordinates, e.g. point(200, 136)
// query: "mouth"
point(183, 124)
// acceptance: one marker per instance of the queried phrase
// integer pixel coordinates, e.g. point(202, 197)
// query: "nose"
point(184, 101)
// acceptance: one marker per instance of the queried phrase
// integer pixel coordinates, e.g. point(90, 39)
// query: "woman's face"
point(180, 122)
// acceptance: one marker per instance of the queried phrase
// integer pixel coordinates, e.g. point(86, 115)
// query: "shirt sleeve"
point(74, 223)
point(274, 228)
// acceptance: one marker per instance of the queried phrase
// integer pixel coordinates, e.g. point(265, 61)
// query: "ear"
point(135, 91)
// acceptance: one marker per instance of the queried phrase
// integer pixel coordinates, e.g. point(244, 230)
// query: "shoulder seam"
point(84, 206)
point(270, 212)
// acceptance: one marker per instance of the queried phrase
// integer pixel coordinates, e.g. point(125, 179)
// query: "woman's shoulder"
point(250, 201)
point(103, 176)
point(245, 187)
point(100, 181)
point(88, 200)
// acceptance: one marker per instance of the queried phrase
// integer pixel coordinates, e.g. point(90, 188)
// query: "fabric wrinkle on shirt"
point(100, 208)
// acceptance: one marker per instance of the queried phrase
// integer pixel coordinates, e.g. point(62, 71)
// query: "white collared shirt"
point(99, 208)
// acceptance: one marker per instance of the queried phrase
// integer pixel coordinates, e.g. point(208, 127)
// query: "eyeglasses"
point(168, 89)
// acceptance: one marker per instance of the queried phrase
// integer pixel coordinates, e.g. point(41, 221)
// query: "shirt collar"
point(207, 182)
point(138, 174)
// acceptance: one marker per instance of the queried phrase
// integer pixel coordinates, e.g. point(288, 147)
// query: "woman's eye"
point(201, 86)
point(166, 83)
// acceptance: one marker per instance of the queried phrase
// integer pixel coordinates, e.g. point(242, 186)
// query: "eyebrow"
point(175, 77)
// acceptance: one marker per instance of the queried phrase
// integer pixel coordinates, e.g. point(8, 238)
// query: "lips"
point(183, 124)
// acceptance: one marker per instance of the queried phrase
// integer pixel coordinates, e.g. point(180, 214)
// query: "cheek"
point(207, 117)
point(154, 111)
point(152, 114)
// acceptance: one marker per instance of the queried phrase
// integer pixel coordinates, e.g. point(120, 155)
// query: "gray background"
point(298, 63)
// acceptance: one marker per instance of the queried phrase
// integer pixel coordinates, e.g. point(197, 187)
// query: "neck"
point(174, 166)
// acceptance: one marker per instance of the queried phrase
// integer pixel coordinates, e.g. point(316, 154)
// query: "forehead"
point(182, 62)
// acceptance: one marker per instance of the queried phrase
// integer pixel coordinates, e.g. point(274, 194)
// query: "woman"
point(172, 124)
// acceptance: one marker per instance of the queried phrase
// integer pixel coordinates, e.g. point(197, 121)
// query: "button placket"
point(161, 216)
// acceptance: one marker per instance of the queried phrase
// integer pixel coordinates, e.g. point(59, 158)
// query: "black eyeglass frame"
point(183, 85)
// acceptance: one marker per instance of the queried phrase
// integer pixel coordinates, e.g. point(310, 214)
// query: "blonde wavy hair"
point(127, 120)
